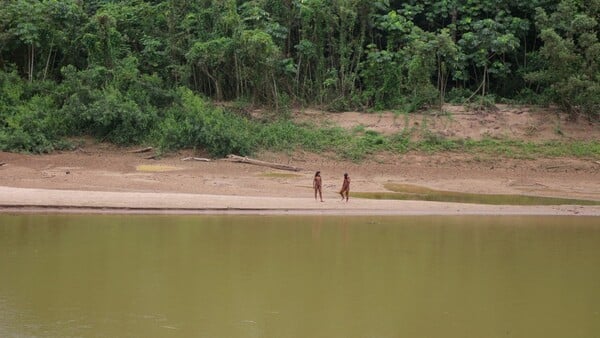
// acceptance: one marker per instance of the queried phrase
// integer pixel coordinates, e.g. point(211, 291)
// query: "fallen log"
point(2, 164)
point(242, 159)
point(142, 150)
point(81, 150)
point(196, 159)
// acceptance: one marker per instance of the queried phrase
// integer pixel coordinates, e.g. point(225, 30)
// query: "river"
point(299, 276)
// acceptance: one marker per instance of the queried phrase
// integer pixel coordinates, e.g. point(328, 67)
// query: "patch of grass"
point(528, 150)
point(359, 129)
point(358, 144)
point(432, 143)
point(155, 168)
point(279, 175)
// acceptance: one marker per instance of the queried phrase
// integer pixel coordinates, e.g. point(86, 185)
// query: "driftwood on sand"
point(81, 150)
point(142, 150)
point(2, 164)
point(243, 159)
point(202, 159)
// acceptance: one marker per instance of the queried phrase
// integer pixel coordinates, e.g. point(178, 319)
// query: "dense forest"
point(135, 71)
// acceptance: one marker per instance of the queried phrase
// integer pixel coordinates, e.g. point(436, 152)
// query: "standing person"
point(317, 184)
point(345, 187)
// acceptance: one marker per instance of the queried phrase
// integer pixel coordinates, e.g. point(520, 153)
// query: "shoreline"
point(101, 178)
point(40, 201)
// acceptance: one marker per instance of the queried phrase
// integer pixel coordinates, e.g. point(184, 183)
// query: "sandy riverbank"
point(109, 180)
point(98, 177)
point(48, 200)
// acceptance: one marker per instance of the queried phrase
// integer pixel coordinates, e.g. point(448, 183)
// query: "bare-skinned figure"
point(345, 192)
point(317, 185)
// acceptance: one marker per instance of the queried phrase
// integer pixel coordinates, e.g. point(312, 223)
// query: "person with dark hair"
point(317, 184)
point(345, 187)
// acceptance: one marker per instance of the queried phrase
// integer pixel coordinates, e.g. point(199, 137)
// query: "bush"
point(116, 118)
point(458, 95)
point(192, 123)
point(29, 120)
point(116, 105)
point(434, 142)
point(224, 133)
point(529, 96)
point(280, 135)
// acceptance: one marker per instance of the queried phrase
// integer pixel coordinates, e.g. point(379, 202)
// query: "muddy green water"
point(278, 276)
point(418, 193)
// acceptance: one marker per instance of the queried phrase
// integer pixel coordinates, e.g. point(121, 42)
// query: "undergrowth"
point(186, 120)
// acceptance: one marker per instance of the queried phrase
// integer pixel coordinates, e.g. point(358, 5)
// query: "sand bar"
point(52, 200)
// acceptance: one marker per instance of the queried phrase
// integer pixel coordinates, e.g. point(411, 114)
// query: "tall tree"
point(33, 33)
point(571, 56)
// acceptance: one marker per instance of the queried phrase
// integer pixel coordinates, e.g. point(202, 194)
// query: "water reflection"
point(276, 276)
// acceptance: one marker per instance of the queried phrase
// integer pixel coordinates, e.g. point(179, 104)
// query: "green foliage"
point(130, 71)
point(343, 55)
point(458, 95)
point(111, 104)
point(434, 143)
point(29, 122)
point(382, 79)
point(571, 57)
point(363, 145)
point(34, 33)
point(192, 123)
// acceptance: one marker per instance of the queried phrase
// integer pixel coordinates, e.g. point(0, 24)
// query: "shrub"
point(29, 120)
point(190, 122)
point(458, 95)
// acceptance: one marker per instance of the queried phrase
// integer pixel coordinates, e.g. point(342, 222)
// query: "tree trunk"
point(275, 94)
point(47, 62)
point(238, 82)
point(216, 82)
point(483, 83)
point(241, 159)
point(454, 20)
point(31, 60)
